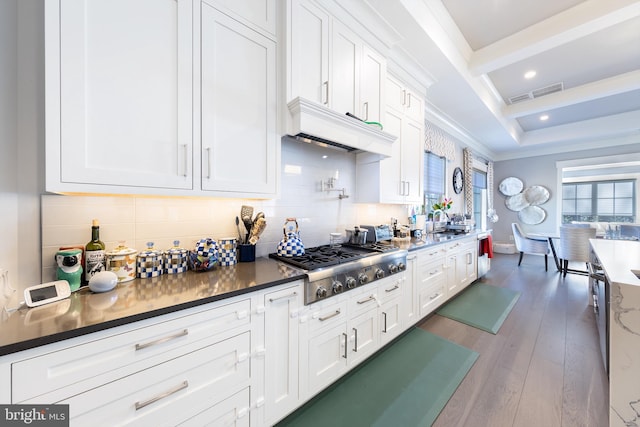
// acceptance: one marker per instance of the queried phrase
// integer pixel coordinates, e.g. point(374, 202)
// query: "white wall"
point(540, 170)
point(8, 138)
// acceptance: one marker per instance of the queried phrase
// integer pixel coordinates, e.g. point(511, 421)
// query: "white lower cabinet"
point(409, 310)
point(231, 412)
point(432, 280)
point(461, 264)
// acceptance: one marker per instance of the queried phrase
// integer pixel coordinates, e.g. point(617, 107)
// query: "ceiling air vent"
point(520, 98)
point(556, 87)
point(537, 93)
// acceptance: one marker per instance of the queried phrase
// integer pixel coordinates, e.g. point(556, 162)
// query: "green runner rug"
point(406, 384)
point(481, 306)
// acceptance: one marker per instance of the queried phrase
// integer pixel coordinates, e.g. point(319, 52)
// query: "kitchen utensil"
point(291, 245)
point(246, 213)
point(357, 236)
point(238, 227)
point(122, 261)
point(258, 227)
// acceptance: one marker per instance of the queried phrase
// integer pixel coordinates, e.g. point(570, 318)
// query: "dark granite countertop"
point(86, 312)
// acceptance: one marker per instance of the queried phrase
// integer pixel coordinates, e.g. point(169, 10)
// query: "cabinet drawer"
point(435, 254)
point(233, 411)
point(430, 297)
point(170, 392)
point(429, 272)
point(327, 315)
point(366, 299)
point(94, 363)
point(391, 289)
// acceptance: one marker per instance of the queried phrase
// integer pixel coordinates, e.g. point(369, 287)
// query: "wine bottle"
point(94, 255)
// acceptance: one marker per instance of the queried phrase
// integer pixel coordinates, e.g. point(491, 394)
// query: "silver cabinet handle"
point(329, 316)
point(371, 298)
point(355, 343)
point(291, 295)
point(345, 345)
point(186, 163)
point(326, 92)
point(208, 150)
point(404, 97)
point(434, 296)
point(385, 322)
point(408, 188)
point(409, 100)
point(392, 289)
point(433, 272)
point(140, 405)
point(162, 340)
point(366, 108)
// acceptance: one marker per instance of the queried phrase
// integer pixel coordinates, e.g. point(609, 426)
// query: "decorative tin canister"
point(176, 259)
point(122, 261)
point(227, 251)
point(150, 262)
point(205, 256)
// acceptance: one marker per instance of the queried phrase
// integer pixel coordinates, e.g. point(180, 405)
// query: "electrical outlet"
point(511, 238)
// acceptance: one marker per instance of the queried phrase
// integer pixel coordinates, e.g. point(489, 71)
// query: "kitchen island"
point(620, 261)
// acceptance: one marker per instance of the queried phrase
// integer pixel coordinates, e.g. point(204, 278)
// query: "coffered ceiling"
point(586, 56)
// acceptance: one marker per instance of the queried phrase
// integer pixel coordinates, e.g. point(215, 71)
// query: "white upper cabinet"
point(330, 64)
point(118, 94)
point(239, 140)
point(403, 99)
point(309, 62)
point(168, 97)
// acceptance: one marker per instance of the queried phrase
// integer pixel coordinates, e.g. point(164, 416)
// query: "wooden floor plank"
point(543, 368)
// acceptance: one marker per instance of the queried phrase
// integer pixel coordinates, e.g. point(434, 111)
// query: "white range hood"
point(315, 123)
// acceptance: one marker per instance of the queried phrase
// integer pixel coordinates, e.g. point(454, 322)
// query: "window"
point(479, 182)
point(599, 201)
point(434, 179)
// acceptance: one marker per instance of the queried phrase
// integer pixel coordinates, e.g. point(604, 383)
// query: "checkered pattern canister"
point(205, 256)
point(150, 263)
point(176, 259)
point(227, 254)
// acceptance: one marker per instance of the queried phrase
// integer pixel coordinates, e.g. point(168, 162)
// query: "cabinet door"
point(412, 151)
point(414, 107)
point(281, 355)
point(392, 185)
point(239, 141)
point(363, 336)
point(372, 84)
point(233, 411)
point(344, 88)
point(259, 12)
point(390, 320)
point(120, 110)
point(327, 358)
point(409, 293)
point(455, 274)
point(395, 94)
point(309, 38)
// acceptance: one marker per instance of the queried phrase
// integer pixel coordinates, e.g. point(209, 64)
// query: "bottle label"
point(94, 263)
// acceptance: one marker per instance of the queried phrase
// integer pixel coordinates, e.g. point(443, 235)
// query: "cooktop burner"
point(323, 256)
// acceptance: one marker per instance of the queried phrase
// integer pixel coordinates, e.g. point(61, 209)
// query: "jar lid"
point(121, 249)
point(207, 247)
point(150, 251)
point(176, 249)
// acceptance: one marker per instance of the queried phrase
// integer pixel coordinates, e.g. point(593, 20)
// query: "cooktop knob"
point(393, 269)
point(401, 266)
point(351, 282)
point(337, 287)
point(379, 273)
point(321, 292)
point(362, 278)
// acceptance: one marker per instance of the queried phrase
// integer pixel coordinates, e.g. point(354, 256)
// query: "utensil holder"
point(246, 253)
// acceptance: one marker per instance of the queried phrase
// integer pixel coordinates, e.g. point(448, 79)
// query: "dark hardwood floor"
point(543, 368)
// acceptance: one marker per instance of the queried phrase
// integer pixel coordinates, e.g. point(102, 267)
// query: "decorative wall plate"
point(516, 202)
point(532, 215)
point(510, 186)
point(536, 195)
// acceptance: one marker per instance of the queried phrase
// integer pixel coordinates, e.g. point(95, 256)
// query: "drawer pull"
point(242, 412)
point(329, 316)
point(140, 405)
point(385, 322)
point(345, 345)
point(291, 295)
point(371, 298)
point(392, 289)
point(241, 314)
point(355, 340)
point(434, 296)
point(433, 272)
point(162, 340)
point(242, 357)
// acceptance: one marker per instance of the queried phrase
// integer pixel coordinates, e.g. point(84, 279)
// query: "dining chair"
point(574, 246)
point(530, 245)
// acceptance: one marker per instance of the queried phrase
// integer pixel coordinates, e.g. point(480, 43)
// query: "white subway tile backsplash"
point(66, 220)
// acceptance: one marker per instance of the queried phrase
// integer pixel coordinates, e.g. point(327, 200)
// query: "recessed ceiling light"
point(544, 117)
point(529, 74)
